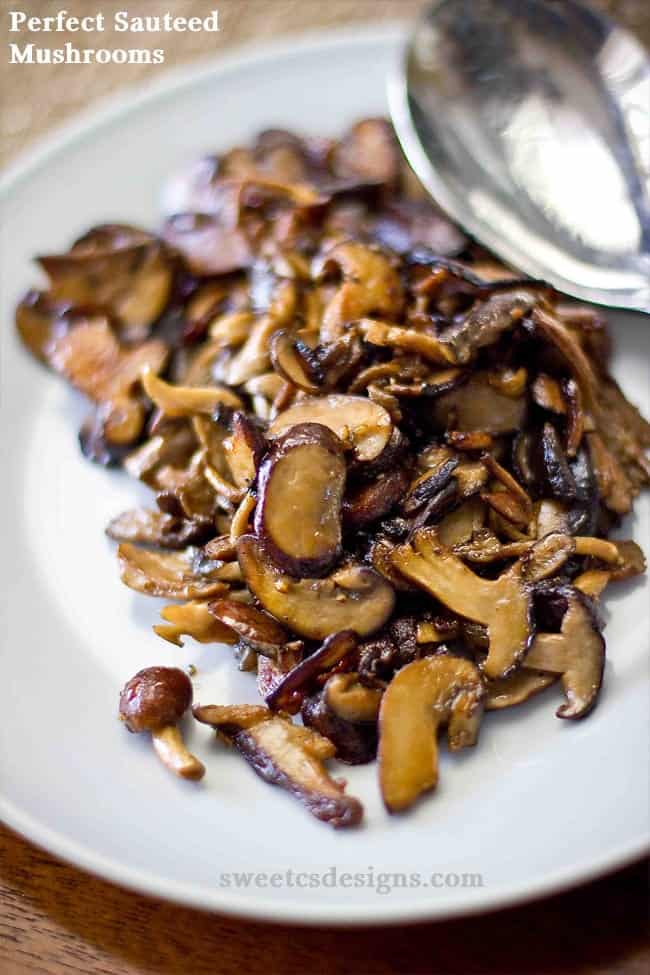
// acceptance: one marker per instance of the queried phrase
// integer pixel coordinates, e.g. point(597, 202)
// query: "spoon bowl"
point(528, 121)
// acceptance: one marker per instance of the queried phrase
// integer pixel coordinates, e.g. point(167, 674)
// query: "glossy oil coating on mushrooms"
point(384, 466)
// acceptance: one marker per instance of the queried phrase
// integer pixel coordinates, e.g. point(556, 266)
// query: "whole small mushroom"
point(155, 700)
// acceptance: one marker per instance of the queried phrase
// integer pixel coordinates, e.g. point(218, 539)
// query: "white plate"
point(538, 805)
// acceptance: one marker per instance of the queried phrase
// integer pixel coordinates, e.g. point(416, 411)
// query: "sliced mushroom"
point(155, 700)
point(255, 628)
point(519, 687)
point(547, 393)
point(361, 425)
point(488, 320)
point(355, 744)
point(286, 696)
point(92, 359)
point(287, 755)
point(548, 556)
point(577, 652)
point(423, 696)
point(478, 406)
point(428, 486)
point(40, 320)
point(631, 561)
point(388, 335)
point(300, 492)
point(160, 529)
point(350, 700)
point(243, 450)
point(369, 150)
point(461, 525)
point(296, 362)
point(119, 268)
point(354, 597)
point(592, 582)
point(171, 574)
point(192, 619)
point(502, 604)
point(554, 466)
point(209, 243)
point(368, 502)
point(271, 670)
point(186, 400)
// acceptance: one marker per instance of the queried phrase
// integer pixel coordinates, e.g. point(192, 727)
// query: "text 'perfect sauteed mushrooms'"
point(385, 466)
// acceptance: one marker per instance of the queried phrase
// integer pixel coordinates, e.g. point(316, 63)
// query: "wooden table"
point(56, 920)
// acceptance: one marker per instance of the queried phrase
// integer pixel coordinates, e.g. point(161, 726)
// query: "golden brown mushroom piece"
point(577, 652)
point(155, 700)
point(423, 696)
point(502, 604)
point(361, 425)
point(353, 597)
point(287, 755)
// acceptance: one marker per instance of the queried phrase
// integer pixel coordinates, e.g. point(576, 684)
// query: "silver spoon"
point(528, 121)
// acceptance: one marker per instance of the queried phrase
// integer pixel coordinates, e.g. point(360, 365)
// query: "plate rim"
point(104, 111)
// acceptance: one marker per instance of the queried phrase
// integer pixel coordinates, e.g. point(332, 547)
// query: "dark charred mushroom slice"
point(519, 687)
point(255, 628)
point(577, 652)
point(271, 670)
point(428, 486)
point(488, 320)
point(502, 604)
point(155, 700)
point(286, 695)
point(120, 268)
point(355, 744)
point(192, 619)
point(287, 755)
point(361, 425)
point(554, 466)
point(171, 574)
point(93, 360)
point(423, 696)
point(354, 597)
point(300, 491)
point(369, 502)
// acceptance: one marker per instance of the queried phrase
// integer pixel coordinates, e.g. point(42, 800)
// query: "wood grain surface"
point(56, 920)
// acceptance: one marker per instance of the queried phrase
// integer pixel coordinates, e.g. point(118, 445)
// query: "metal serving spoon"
point(529, 123)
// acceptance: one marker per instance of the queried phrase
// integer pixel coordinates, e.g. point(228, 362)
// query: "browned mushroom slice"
point(271, 670)
point(488, 320)
point(192, 619)
point(285, 696)
point(292, 359)
point(287, 755)
point(577, 652)
point(553, 331)
point(592, 582)
point(177, 401)
point(368, 502)
point(632, 561)
point(428, 486)
point(519, 687)
point(120, 268)
point(510, 382)
point(555, 469)
point(254, 627)
point(371, 286)
point(502, 604)
point(243, 450)
point(361, 425)
point(40, 320)
point(171, 574)
point(461, 525)
point(478, 406)
point(547, 393)
point(172, 448)
point(350, 700)
point(615, 488)
point(354, 597)
point(355, 742)
point(300, 491)
point(388, 335)
point(155, 700)
point(508, 481)
point(423, 696)
point(208, 243)
point(547, 556)
point(92, 359)
point(508, 506)
point(369, 150)
point(160, 529)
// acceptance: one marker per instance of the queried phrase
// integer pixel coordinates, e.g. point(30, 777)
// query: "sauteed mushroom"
point(155, 700)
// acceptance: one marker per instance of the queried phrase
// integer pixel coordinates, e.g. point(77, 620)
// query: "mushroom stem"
point(170, 748)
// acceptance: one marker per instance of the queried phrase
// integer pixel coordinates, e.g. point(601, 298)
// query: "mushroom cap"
point(154, 697)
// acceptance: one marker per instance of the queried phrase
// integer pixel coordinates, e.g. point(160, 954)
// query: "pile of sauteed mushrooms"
point(385, 467)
